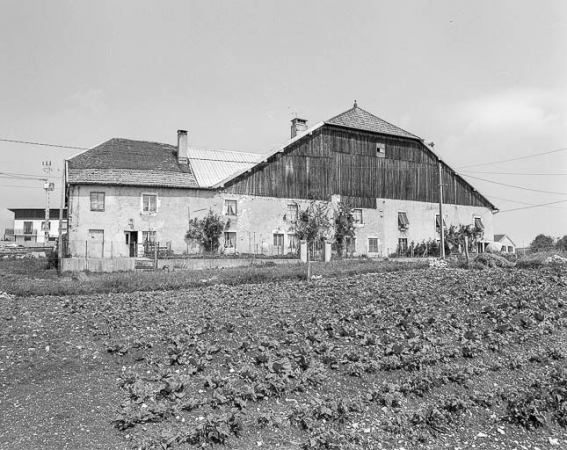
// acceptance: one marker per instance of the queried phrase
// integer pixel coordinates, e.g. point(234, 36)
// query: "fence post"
point(156, 246)
point(467, 249)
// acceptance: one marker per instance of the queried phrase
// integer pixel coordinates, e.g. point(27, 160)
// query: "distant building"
point(29, 225)
point(124, 193)
point(507, 244)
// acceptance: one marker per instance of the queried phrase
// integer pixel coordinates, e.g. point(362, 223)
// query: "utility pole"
point(441, 228)
point(61, 208)
point(48, 186)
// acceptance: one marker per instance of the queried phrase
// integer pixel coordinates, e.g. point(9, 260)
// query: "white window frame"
point(143, 198)
point(377, 244)
point(292, 242)
point(403, 215)
point(475, 218)
point(380, 150)
point(232, 202)
point(292, 211)
point(361, 221)
point(228, 242)
point(98, 202)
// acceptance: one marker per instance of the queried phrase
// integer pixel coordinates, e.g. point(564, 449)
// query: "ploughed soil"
point(429, 358)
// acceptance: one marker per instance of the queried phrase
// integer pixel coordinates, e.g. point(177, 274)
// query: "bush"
point(491, 260)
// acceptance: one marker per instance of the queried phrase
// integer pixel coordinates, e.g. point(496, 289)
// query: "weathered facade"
point(123, 192)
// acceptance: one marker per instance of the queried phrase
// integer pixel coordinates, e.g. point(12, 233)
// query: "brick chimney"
point(298, 126)
point(182, 149)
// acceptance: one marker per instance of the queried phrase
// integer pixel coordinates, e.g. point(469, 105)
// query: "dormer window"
point(380, 150)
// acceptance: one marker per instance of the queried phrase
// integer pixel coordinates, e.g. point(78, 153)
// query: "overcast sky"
point(485, 80)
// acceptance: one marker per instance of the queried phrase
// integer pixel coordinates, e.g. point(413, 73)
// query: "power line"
point(41, 143)
point(521, 203)
point(529, 207)
point(514, 159)
point(517, 187)
point(20, 186)
point(514, 173)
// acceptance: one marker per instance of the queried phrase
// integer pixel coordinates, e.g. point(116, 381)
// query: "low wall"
point(98, 264)
point(129, 264)
point(201, 264)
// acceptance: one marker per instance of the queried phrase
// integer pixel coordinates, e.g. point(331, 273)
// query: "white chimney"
point(298, 126)
point(182, 148)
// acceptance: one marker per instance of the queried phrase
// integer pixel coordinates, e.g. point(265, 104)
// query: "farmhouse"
point(123, 193)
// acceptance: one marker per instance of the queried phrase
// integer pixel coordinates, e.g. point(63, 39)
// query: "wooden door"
point(95, 244)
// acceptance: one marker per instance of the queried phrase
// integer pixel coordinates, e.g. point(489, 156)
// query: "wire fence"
point(164, 250)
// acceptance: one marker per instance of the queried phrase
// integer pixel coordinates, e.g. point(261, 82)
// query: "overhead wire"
point(514, 186)
point(514, 159)
point(529, 207)
point(514, 173)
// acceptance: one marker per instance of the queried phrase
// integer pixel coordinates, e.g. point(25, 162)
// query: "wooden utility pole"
point(48, 187)
point(441, 228)
point(60, 237)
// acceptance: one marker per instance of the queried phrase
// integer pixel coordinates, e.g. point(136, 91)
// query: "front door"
point(95, 244)
point(132, 243)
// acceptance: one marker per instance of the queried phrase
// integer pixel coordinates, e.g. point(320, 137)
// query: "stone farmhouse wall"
point(255, 223)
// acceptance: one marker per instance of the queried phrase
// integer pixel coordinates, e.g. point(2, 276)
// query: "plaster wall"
point(254, 225)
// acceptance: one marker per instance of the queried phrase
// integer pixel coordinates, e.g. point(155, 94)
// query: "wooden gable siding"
point(335, 160)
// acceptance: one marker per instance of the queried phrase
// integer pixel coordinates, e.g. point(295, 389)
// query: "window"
point(510, 249)
point(28, 227)
point(438, 223)
point(402, 245)
point(293, 242)
point(149, 202)
point(380, 150)
point(478, 224)
point(48, 225)
point(230, 207)
point(403, 221)
point(27, 238)
point(372, 245)
point(278, 240)
point(357, 215)
point(350, 245)
point(97, 201)
point(148, 237)
point(229, 239)
point(292, 211)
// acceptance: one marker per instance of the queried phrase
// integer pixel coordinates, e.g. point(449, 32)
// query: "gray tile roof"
point(129, 162)
point(362, 120)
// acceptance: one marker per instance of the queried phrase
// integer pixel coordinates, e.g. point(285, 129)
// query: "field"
point(405, 357)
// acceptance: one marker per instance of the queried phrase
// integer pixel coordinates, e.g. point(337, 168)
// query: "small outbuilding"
point(507, 244)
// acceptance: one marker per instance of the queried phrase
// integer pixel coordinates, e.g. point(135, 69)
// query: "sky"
point(486, 81)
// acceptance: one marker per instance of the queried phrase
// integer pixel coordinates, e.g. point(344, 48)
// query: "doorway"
point(132, 243)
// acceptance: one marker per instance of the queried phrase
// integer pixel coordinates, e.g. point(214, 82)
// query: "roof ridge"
point(136, 140)
point(356, 107)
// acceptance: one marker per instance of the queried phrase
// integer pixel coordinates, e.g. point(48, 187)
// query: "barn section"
point(371, 165)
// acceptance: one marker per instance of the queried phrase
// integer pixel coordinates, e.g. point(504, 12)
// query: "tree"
point(344, 227)
point(313, 223)
point(456, 236)
point(561, 244)
point(207, 231)
point(541, 242)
